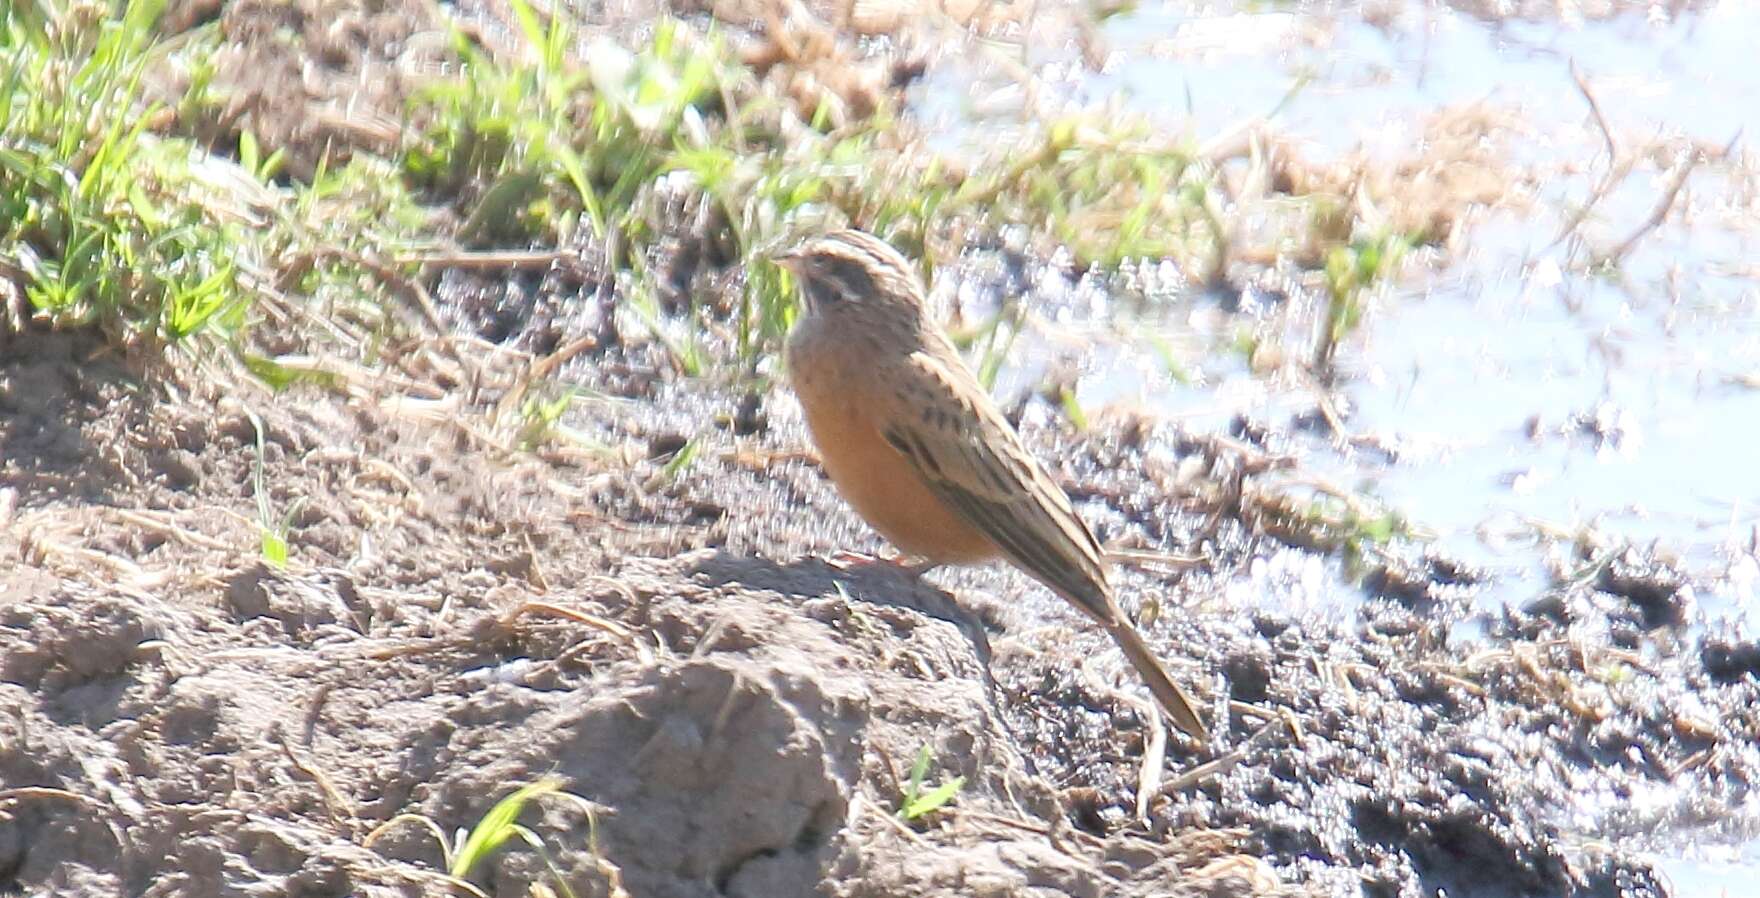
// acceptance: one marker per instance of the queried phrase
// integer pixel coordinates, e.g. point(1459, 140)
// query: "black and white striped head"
point(853, 271)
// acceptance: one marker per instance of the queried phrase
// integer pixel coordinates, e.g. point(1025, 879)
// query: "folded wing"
point(968, 455)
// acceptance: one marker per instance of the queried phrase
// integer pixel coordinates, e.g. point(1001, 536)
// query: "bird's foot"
point(855, 561)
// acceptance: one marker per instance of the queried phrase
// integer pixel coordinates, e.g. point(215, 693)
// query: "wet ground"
point(1523, 705)
point(1523, 392)
point(1519, 379)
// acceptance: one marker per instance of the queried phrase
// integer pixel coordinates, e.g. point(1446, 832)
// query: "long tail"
point(1167, 692)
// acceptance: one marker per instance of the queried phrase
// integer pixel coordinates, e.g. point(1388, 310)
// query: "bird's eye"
point(851, 279)
point(817, 290)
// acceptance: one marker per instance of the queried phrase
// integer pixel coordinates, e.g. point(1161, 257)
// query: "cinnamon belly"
point(876, 480)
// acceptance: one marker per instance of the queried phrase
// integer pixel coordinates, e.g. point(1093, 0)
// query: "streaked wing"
point(973, 460)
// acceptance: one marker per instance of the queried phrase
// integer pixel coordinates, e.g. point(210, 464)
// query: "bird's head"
point(851, 272)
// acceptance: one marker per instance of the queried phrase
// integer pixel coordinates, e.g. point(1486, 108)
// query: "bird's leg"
point(910, 566)
point(920, 566)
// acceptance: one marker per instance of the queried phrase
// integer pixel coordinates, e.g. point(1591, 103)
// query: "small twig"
point(624, 591)
point(411, 287)
point(401, 874)
point(1657, 214)
point(1254, 711)
point(483, 261)
point(385, 272)
point(887, 768)
point(1154, 756)
point(859, 800)
point(316, 712)
point(1613, 153)
point(381, 470)
point(760, 461)
point(987, 817)
point(1204, 771)
point(1294, 721)
point(537, 566)
point(149, 521)
point(1692, 762)
point(1223, 764)
point(10, 797)
point(1450, 678)
point(1618, 165)
point(1329, 411)
point(621, 632)
point(135, 576)
point(539, 370)
point(1219, 766)
point(356, 379)
point(725, 713)
point(426, 822)
point(1253, 460)
point(387, 649)
point(1145, 557)
point(340, 807)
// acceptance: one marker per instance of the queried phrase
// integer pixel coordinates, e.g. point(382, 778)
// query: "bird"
point(914, 443)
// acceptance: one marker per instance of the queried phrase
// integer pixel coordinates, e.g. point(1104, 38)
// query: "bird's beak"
point(788, 260)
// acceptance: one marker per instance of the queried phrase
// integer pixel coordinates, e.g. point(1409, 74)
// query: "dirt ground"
point(177, 717)
point(187, 721)
point(457, 621)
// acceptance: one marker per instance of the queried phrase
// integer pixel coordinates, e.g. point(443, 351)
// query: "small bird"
point(915, 444)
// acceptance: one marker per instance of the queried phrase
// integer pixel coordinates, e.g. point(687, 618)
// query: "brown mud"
point(458, 620)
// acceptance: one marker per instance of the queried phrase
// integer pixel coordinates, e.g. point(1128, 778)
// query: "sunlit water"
point(1519, 388)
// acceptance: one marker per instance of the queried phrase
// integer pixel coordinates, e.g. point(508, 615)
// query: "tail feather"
point(1178, 705)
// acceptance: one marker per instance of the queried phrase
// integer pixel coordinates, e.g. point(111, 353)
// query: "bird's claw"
point(854, 561)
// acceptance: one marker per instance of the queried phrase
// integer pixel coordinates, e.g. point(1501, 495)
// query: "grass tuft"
point(110, 220)
point(107, 218)
point(92, 230)
point(533, 143)
point(1351, 271)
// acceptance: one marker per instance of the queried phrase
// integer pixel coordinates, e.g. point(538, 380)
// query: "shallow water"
point(1686, 74)
point(1711, 871)
point(1517, 386)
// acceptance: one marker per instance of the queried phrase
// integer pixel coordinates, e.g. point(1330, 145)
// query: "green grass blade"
point(497, 826)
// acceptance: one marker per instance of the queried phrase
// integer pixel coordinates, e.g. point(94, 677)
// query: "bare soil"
point(187, 720)
point(457, 620)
